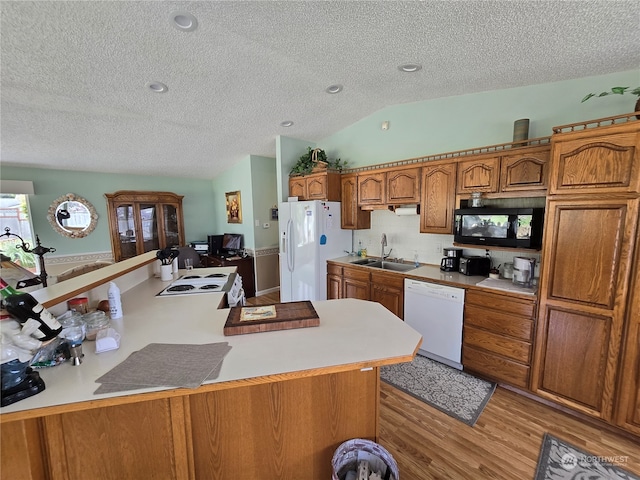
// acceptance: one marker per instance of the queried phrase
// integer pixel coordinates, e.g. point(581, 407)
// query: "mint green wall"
point(51, 184)
point(288, 151)
point(263, 180)
point(476, 120)
point(237, 178)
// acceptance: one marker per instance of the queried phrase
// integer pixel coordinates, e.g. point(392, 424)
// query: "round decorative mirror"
point(72, 216)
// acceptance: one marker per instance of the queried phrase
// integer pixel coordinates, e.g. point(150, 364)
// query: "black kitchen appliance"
point(475, 265)
point(451, 260)
point(502, 227)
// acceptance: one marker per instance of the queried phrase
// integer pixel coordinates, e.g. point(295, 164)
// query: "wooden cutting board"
point(285, 316)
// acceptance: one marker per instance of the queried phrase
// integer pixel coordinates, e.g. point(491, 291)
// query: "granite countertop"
point(432, 273)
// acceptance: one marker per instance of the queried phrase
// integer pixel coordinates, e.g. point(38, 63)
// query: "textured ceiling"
point(74, 73)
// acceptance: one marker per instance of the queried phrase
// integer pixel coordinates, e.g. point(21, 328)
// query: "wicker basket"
point(346, 456)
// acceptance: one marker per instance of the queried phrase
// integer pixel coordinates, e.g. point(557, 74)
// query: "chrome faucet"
point(384, 244)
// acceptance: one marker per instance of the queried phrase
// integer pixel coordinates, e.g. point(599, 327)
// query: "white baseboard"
point(268, 290)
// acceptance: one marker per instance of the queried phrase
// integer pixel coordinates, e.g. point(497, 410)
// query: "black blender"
point(451, 260)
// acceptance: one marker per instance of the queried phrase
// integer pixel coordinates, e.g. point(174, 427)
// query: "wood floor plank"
point(504, 444)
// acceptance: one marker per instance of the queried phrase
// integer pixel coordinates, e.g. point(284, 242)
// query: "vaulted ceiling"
point(75, 75)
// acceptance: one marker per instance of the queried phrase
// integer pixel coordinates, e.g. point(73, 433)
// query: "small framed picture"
point(274, 214)
point(234, 207)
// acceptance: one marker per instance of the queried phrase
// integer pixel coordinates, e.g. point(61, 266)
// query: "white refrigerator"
point(310, 234)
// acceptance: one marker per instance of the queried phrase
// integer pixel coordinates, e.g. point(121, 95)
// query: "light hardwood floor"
point(504, 443)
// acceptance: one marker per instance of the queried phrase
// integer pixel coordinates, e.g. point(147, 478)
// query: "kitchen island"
point(282, 403)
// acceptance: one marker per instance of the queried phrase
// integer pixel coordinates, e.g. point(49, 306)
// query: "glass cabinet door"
point(127, 230)
point(149, 218)
point(171, 233)
point(143, 221)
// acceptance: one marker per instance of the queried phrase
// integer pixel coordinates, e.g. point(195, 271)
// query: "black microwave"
point(500, 227)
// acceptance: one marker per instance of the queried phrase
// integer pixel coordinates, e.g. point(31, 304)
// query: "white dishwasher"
point(436, 312)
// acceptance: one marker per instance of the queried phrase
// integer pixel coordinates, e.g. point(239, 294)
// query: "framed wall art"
point(234, 207)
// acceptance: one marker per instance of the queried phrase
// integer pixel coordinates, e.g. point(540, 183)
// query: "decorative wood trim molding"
point(600, 122)
point(501, 147)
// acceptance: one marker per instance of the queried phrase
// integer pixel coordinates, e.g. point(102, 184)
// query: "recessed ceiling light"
point(337, 88)
point(157, 87)
point(286, 123)
point(410, 67)
point(183, 21)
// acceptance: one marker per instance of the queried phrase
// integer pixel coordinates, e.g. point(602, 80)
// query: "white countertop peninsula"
point(281, 404)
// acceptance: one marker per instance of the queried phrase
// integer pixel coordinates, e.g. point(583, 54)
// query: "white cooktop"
point(192, 283)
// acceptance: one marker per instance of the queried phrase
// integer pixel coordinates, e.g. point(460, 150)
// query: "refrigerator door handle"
point(289, 251)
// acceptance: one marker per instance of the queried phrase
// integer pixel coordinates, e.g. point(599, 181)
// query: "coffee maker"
point(451, 260)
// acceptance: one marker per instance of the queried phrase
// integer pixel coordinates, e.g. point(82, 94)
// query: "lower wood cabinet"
point(497, 336)
point(366, 284)
point(388, 290)
point(279, 429)
point(356, 283)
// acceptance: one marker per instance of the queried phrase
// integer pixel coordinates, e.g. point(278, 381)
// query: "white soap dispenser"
point(115, 303)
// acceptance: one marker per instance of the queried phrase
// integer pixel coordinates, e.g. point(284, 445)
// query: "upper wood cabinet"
point(317, 186)
point(596, 162)
point(389, 187)
point(403, 186)
point(372, 188)
point(479, 175)
point(141, 221)
point(525, 171)
point(437, 201)
point(352, 217)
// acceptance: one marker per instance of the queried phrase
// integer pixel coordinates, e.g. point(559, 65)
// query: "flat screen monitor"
point(232, 241)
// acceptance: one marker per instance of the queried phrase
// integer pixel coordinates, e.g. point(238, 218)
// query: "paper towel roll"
point(406, 211)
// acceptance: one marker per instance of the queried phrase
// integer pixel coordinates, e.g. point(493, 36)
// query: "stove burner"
point(180, 288)
point(191, 276)
point(216, 275)
point(209, 287)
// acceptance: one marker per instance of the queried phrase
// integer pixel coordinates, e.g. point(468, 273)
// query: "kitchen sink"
point(366, 261)
point(395, 267)
point(375, 263)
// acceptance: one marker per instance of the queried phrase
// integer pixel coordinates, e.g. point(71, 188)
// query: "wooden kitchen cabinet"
point(141, 221)
point(344, 281)
point(334, 281)
point(317, 186)
point(437, 201)
point(403, 186)
point(398, 186)
point(356, 283)
point(628, 407)
point(525, 172)
point(479, 175)
point(352, 216)
point(388, 290)
point(498, 336)
point(371, 188)
point(586, 324)
point(595, 162)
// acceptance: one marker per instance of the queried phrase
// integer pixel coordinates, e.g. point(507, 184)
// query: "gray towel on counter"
point(166, 365)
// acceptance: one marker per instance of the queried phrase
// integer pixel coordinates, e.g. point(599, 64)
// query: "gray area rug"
point(560, 460)
point(458, 394)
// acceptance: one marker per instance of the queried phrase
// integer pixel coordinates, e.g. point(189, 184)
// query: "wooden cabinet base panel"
point(286, 430)
point(495, 367)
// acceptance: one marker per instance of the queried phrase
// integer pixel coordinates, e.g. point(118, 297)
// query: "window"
point(16, 214)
